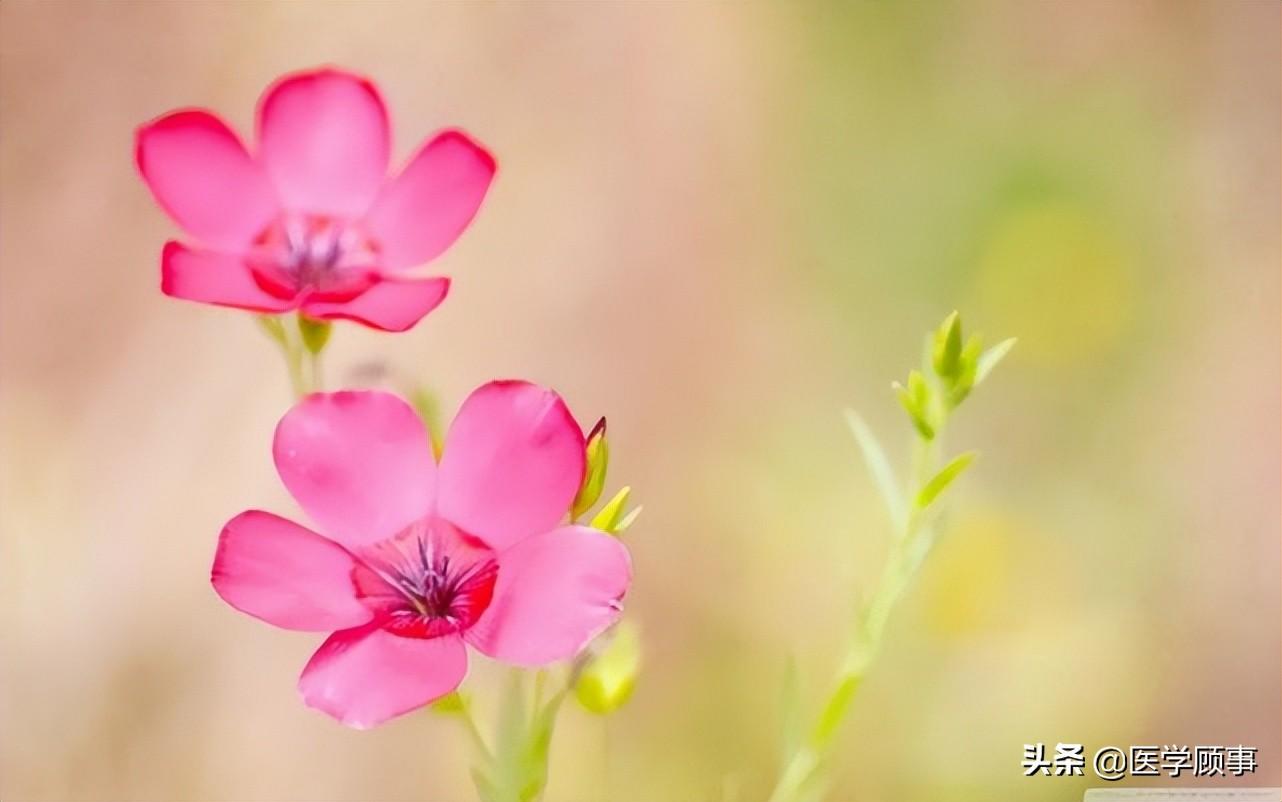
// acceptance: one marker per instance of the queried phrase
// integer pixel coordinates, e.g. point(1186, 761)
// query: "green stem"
point(909, 549)
point(317, 371)
point(302, 363)
point(297, 377)
point(473, 731)
point(540, 680)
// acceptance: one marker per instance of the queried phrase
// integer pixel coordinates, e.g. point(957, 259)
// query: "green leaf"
point(315, 333)
point(940, 482)
point(878, 465)
point(834, 712)
point(989, 359)
point(626, 521)
point(610, 517)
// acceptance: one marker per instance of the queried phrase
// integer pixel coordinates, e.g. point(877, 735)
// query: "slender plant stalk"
point(911, 543)
point(302, 346)
point(954, 369)
point(473, 732)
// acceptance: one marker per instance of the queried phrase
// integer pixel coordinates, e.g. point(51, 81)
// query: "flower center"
point(432, 579)
point(319, 257)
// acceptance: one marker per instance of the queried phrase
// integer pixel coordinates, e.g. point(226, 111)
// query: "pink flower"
point(311, 222)
point(417, 558)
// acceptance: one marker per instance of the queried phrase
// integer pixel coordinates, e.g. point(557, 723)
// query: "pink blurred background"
point(718, 224)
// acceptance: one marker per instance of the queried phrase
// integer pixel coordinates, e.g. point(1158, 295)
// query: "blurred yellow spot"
point(968, 581)
point(1052, 275)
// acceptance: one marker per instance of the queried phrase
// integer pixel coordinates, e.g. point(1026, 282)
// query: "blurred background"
point(718, 224)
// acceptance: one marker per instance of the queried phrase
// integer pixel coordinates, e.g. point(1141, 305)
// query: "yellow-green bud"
point(948, 347)
point(965, 378)
point(915, 399)
point(606, 683)
point(598, 461)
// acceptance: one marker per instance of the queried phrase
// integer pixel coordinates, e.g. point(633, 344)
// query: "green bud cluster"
point(954, 366)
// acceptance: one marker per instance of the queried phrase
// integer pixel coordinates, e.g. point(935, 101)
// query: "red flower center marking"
point(432, 579)
point(319, 257)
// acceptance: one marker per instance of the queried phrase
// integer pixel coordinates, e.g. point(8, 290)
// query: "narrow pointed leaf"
point(940, 482)
point(608, 517)
point(875, 457)
point(834, 712)
point(626, 521)
point(989, 359)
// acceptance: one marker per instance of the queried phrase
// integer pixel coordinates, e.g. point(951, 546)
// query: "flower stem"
point(913, 541)
point(297, 377)
point(317, 371)
point(473, 731)
point(302, 362)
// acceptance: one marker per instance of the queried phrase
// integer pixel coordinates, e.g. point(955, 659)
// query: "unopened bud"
point(916, 401)
point(606, 682)
point(948, 347)
point(598, 461)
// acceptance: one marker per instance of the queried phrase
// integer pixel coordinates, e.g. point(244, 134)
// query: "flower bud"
point(948, 347)
point(598, 460)
point(965, 379)
point(916, 401)
point(606, 683)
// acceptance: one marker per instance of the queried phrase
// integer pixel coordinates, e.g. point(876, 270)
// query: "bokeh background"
point(719, 224)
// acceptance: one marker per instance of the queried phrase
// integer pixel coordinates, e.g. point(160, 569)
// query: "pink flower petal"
point(323, 139)
point(365, 676)
point(214, 278)
point(390, 304)
point(512, 464)
point(556, 591)
point(286, 575)
point(202, 176)
point(420, 214)
point(359, 463)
